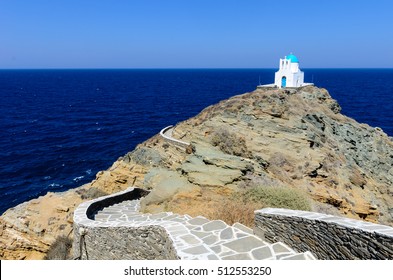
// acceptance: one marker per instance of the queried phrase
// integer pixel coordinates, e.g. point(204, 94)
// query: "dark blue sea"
point(58, 128)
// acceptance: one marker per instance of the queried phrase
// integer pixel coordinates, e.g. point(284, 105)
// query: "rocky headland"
point(294, 140)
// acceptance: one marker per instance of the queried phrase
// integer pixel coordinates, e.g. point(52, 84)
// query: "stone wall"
point(326, 236)
point(96, 240)
point(166, 134)
point(112, 227)
point(121, 243)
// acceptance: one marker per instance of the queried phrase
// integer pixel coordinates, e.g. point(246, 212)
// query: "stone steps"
point(200, 238)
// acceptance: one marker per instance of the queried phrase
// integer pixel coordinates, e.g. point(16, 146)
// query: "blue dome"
point(292, 58)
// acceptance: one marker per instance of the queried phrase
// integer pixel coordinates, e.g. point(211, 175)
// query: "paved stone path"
point(200, 238)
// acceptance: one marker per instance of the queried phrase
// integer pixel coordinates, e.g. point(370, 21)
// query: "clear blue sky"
point(194, 33)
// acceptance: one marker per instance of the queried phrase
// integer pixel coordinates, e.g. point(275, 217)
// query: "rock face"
point(270, 137)
point(294, 137)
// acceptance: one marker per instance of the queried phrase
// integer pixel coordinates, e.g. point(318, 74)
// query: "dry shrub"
point(90, 193)
point(235, 210)
point(60, 249)
point(240, 206)
point(278, 197)
point(230, 143)
point(279, 162)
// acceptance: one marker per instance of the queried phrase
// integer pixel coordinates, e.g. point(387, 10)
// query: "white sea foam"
point(77, 179)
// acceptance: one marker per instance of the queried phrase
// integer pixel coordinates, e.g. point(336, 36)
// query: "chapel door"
point(283, 81)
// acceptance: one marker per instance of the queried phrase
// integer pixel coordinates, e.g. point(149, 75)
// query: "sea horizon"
point(192, 68)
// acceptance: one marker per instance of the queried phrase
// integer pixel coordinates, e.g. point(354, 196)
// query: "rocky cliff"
point(271, 138)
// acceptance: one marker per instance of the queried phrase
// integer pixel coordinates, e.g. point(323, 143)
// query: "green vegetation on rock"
point(277, 197)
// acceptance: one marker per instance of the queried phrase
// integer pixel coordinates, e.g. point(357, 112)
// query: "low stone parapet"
point(166, 133)
point(111, 240)
point(326, 236)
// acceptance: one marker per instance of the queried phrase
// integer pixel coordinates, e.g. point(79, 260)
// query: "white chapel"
point(288, 74)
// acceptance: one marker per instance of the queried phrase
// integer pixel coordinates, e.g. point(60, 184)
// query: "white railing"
point(170, 138)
